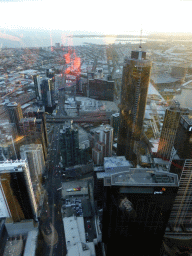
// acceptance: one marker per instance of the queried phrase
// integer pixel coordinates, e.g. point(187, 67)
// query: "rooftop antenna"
point(140, 52)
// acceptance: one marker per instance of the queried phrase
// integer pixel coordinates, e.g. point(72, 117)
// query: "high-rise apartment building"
point(70, 152)
point(135, 82)
point(33, 153)
point(8, 134)
point(17, 197)
point(15, 113)
point(114, 122)
point(32, 129)
point(97, 153)
point(169, 130)
point(39, 114)
point(136, 208)
point(103, 142)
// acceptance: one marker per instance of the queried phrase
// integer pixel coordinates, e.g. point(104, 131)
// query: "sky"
point(101, 16)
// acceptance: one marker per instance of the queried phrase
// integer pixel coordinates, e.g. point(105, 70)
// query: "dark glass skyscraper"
point(135, 82)
point(136, 208)
point(15, 114)
point(47, 94)
point(183, 140)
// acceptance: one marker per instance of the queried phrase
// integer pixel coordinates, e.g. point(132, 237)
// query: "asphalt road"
point(52, 206)
point(52, 203)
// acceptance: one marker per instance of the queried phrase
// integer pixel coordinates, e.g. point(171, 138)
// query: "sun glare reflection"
point(110, 39)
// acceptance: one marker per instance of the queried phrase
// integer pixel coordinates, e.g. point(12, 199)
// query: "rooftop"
point(102, 127)
point(116, 161)
point(164, 79)
point(30, 246)
point(12, 104)
point(75, 237)
point(187, 119)
point(153, 91)
point(29, 72)
point(138, 62)
point(74, 184)
point(143, 177)
point(160, 161)
point(138, 177)
point(12, 165)
point(116, 114)
point(28, 119)
point(13, 247)
point(25, 105)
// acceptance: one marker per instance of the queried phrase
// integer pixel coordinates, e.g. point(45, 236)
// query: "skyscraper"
point(16, 191)
point(169, 130)
point(101, 89)
point(180, 217)
point(183, 139)
point(71, 153)
point(8, 134)
point(36, 85)
point(33, 153)
point(114, 122)
point(15, 114)
point(103, 142)
point(135, 82)
point(182, 165)
point(32, 128)
point(136, 208)
point(47, 93)
point(39, 114)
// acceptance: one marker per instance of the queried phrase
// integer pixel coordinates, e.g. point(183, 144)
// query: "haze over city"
point(26, 21)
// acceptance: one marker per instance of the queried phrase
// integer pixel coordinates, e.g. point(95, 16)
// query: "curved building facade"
point(135, 83)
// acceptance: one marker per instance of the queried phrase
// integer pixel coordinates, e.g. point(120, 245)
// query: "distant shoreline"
point(175, 36)
point(116, 36)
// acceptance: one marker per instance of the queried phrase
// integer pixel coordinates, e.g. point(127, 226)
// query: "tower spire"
point(140, 39)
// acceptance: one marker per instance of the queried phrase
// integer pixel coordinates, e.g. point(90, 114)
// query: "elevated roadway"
point(78, 119)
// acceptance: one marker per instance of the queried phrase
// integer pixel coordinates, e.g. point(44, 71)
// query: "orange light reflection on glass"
point(74, 63)
point(9, 37)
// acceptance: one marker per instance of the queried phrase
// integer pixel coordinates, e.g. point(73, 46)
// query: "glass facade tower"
point(135, 82)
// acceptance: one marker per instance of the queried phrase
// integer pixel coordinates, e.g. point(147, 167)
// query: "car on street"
point(87, 237)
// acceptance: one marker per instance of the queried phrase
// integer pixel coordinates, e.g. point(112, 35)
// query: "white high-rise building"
point(103, 142)
point(33, 153)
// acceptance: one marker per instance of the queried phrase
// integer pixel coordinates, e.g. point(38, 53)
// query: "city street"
point(53, 183)
point(52, 206)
